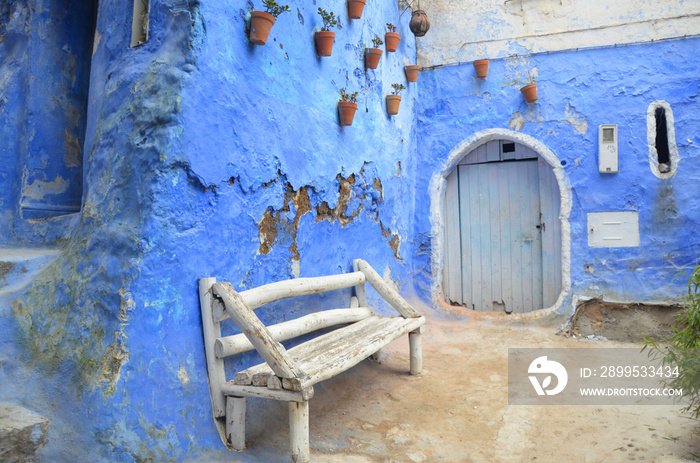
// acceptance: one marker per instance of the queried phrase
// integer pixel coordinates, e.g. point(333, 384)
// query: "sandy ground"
point(457, 410)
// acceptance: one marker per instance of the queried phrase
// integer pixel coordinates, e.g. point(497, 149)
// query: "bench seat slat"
point(309, 348)
point(239, 343)
point(354, 352)
point(326, 356)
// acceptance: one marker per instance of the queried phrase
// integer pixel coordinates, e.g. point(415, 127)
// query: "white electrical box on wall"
point(613, 229)
point(607, 149)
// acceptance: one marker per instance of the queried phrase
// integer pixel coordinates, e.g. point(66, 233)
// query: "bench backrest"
point(219, 301)
point(262, 295)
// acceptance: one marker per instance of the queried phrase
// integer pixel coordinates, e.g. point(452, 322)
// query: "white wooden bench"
point(289, 375)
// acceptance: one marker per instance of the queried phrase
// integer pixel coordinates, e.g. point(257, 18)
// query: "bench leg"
point(235, 422)
point(299, 431)
point(377, 357)
point(416, 351)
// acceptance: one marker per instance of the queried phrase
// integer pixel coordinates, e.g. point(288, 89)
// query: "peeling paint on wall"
point(520, 27)
point(39, 189)
point(273, 223)
point(354, 197)
point(574, 96)
point(180, 183)
point(532, 115)
point(577, 120)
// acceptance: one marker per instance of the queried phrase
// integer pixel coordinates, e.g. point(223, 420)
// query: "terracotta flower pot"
point(324, 42)
point(481, 66)
point(355, 8)
point(411, 72)
point(392, 40)
point(530, 92)
point(346, 109)
point(260, 25)
point(372, 56)
point(392, 104)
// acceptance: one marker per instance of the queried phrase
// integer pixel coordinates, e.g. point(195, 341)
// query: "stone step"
point(22, 434)
point(19, 266)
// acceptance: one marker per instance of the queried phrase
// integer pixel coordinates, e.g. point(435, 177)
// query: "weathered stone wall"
point(578, 91)
point(46, 47)
point(205, 156)
point(464, 31)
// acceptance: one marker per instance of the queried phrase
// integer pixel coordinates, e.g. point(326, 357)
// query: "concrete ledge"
point(19, 266)
point(22, 433)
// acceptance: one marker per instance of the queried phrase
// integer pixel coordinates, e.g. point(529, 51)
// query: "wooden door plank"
point(551, 235)
point(476, 156)
point(481, 154)
point(466, 237)
point(527, 237)
point(485, 238)
point(534, 193)
point(524, 152)
point(475, 242)
point(515, 238)
point(452, 274)
point(505, 241)
point(496, 224)
point(471, 247)
point(493, 151)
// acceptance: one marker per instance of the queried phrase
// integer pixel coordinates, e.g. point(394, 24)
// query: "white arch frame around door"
point(438, 183)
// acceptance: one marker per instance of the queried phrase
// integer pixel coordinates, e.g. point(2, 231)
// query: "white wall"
point(472, 29)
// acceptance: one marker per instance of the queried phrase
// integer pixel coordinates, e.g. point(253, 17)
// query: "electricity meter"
point(607, 149)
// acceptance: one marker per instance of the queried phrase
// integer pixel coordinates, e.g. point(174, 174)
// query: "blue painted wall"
point(578, 91)
point(46, 48)
point(205, 156)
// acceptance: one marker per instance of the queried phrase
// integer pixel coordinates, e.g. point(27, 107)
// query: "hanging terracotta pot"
point(372, 56)
point(392, 40)
point(419, 23)
point(392, 104)
point(346, 110)
point(481, 66)
point(355, 8)
point(324, 42)
point(260, 25)
point(530, 92)
point(411, 72)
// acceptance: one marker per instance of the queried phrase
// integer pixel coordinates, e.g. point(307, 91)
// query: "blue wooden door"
point(495, 224)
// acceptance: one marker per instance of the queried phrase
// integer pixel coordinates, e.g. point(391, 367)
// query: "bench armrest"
point(387, 292)
point(257, 333)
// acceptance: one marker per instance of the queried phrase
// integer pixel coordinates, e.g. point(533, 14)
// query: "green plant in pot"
point(372, 55)
point(347, 107)
point(261, 21)
point(392, 37)
point(325, 37)
point(394, 100)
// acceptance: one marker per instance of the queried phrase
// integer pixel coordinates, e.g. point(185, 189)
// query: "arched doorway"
point(503, 225)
